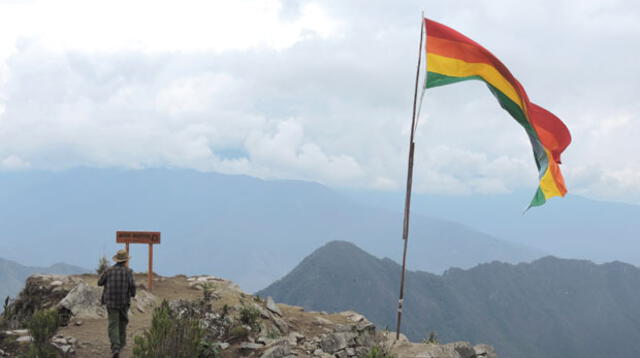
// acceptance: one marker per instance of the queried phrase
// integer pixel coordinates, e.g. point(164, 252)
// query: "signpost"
point(140, 237)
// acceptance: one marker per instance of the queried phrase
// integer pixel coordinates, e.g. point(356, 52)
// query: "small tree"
point(208, 293)
point(5, 306)
point(3, 316)
point(5, 313)
point(103, 264)
point(42, 326)
point(432, 338)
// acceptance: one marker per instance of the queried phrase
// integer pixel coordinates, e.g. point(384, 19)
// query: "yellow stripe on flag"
point(457, 68)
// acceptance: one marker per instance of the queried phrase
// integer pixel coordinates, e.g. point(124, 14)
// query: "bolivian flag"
point(453, 57)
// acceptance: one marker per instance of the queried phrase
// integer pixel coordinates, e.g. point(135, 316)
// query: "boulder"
point(84, 302)
point(485, 351)
point(17, 332)
point(143, 301)
point(322, 321)
point(353, 316)
point(334, 342)
point(271, 306)
point(24, 339)
point(279, 351)
point(66, 345)
point(294, 338)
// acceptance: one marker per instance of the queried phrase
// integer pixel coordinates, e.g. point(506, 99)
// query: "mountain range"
point(249, 230)
point(569, 227)
point(553, 308)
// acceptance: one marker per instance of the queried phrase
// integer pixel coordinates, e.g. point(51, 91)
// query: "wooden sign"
point(137, 237)
point(140, 237)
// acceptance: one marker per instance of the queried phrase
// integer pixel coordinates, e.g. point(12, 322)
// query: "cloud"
point(13, 162)
point(451, 170)
point(617, 185)
point(161, 26)
point(316, 90)
point(286, 154)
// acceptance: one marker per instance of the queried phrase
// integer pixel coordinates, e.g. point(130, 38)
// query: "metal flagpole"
point(407, 199)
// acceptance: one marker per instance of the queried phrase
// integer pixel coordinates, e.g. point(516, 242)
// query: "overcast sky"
point(316, 90)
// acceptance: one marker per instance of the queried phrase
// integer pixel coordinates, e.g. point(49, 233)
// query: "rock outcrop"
point(40, 292)
point(449, 350)
point(281, 331)
point(238, 324)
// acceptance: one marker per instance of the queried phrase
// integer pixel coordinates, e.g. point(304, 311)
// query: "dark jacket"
point(119, 286)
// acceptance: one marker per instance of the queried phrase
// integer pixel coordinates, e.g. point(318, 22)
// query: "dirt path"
point(91, 335)
point(93, 340)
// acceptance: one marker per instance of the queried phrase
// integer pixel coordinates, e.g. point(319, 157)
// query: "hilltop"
point(553, 308)
point(275, 331)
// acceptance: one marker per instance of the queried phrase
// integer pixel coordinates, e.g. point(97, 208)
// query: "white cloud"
point(188, 25)
point(13, 162)
point(456, 171)
point(286, 153)
point(384, 183)
point(315, 90)
point(607, 184)
point(199, 94)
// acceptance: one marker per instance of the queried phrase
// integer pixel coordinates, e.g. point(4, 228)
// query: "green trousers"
point(118, 319)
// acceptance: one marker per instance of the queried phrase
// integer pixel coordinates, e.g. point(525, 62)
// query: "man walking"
point(119, 287)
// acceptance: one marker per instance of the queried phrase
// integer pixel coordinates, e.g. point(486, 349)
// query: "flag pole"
point(407, 199)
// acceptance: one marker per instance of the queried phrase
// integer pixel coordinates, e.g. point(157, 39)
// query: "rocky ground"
point(277, 331)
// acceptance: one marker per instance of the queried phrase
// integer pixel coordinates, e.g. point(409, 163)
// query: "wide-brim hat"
point(121, 256)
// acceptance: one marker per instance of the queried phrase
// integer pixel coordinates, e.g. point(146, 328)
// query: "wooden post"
point(140, 237)
point(126, 246)
point(150, 273)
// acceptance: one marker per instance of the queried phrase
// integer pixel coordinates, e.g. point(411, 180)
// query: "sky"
point(316, 90)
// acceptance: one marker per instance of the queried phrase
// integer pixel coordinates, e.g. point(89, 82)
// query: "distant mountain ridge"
point(553, 308)
point(570, 227)
point(249, 230)
point(13, 275)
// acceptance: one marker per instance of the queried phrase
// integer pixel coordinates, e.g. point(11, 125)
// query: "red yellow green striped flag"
point(453, 57)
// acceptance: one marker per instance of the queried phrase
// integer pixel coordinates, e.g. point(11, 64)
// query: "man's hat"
point(121, 256)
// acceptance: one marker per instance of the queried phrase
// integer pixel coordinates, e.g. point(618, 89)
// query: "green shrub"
point(225, 311)
point(381, 347)
point(5, 306)
point(103, 264)
point(379, 352)
point(42, 327)
point(171, 336)
point(4, 324)
point(250, 316)
point(210, 350)
point(207, 291)
point(216, 324)
point(432, 338)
